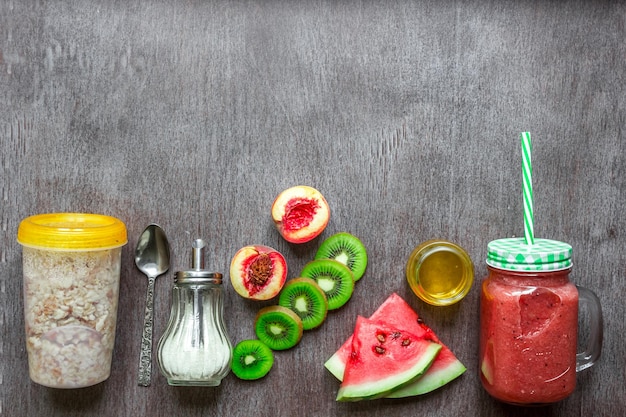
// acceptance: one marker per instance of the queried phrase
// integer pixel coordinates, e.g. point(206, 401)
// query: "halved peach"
point(258, 272)
point(300, 213)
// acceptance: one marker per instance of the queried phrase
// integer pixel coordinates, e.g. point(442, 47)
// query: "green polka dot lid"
point(515, 254)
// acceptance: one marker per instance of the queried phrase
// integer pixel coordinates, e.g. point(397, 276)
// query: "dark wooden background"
point(405, 114)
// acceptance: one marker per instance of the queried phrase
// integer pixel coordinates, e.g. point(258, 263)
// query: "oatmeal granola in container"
point(71, 271)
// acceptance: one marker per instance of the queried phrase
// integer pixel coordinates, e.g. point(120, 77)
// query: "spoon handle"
point(145, 360)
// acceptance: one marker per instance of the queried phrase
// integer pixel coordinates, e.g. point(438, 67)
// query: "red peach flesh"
point(258, 272)
point(300, 213)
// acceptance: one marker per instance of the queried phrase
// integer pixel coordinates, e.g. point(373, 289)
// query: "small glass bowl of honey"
point(439, 272)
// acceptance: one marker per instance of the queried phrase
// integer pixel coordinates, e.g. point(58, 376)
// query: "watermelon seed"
point(396, 335)
point(406, 342)
point(381, 338)
point(379, 349)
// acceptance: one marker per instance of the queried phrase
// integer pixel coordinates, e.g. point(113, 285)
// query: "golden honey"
point(440, 272)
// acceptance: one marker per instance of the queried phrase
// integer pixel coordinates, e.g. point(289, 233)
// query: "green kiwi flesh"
point(347, 249)
point(305, 298)
point(278, 327)
point(335, 279)
point(252, 359)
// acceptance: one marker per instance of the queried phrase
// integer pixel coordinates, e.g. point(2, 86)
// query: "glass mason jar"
point(529, 323)
point(71, 272)
point(195, 349)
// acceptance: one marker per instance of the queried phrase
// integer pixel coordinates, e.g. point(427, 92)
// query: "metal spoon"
point(152, 257)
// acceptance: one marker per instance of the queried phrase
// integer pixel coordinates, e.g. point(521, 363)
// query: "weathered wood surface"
point(405, 114)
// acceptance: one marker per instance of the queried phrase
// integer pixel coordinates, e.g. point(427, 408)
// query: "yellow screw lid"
point(72, 231)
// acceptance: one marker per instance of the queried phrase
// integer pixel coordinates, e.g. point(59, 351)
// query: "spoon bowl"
point(152, 257)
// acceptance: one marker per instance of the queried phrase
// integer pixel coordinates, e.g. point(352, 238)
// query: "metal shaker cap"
point(197, 274)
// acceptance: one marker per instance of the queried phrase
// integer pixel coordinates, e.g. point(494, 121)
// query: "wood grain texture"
point(405, 114)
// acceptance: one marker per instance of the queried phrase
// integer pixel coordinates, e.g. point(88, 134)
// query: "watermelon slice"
point(397, 312)
point(384, 358)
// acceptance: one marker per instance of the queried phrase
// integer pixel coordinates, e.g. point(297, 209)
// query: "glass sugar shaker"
point(195, 349)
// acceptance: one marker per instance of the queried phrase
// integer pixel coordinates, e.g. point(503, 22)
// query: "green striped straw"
point(527, 181)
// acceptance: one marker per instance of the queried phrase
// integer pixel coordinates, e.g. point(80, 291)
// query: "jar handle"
point(591, 354)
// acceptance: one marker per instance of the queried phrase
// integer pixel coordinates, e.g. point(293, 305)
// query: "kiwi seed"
point(278, 327)
point(347, 249)
point(335, 279)
point(252, 359)
point(305, 298)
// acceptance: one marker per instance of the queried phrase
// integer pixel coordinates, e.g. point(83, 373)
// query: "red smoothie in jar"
point(529, 323)
point(529, 336)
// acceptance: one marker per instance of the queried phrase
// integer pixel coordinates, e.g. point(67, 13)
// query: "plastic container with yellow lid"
point(72, 231)
point(71, 268)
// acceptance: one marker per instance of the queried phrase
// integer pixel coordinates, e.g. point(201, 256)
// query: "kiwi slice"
point(305, 298)
point(252, 359)
point(335, 279)
point(278, 327)
point(347, 249)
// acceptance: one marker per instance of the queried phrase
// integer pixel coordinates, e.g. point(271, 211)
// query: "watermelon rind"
point(336, 366)
point(381, 387)
point(430, 381)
